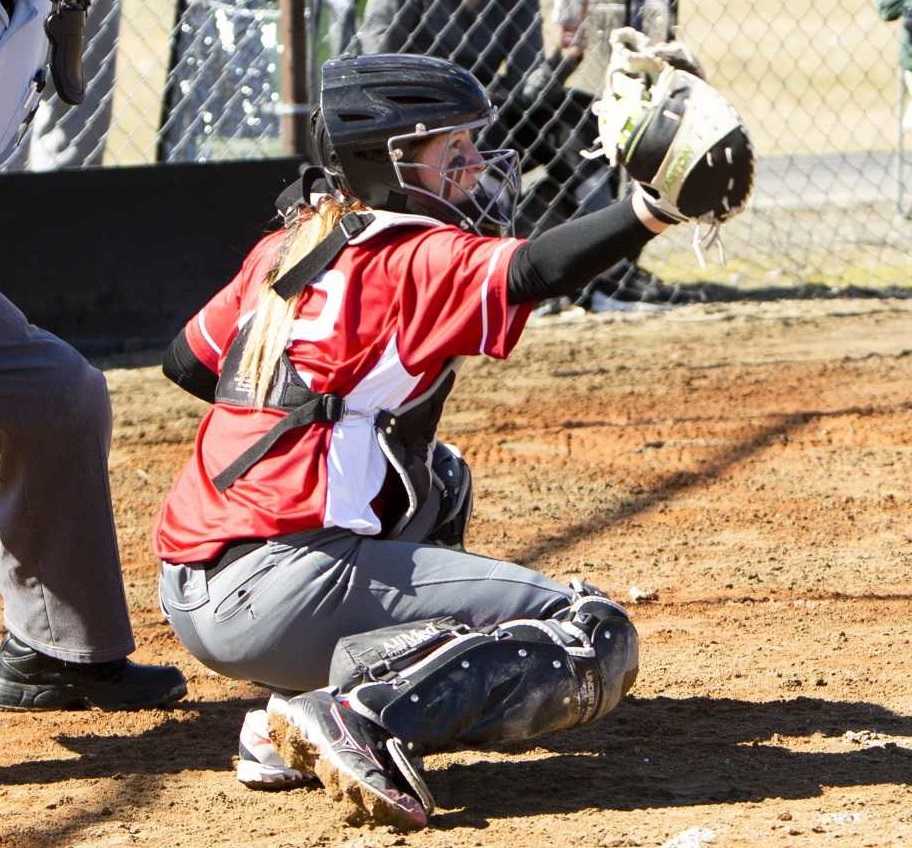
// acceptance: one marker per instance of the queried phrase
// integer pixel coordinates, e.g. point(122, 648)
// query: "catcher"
point(315, 537)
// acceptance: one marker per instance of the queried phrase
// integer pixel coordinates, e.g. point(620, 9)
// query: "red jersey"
point(377, 327)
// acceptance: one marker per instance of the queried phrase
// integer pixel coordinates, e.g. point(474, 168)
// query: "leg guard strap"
point(381, 654)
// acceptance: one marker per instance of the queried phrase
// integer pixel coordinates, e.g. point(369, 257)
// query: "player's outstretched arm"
point(564, 259)
point(683, 144)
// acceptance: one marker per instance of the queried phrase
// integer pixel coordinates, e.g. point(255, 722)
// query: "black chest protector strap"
point(319, 407)
point(303, 274)
point(309, 407)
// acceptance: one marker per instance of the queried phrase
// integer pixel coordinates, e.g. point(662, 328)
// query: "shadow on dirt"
point(663, 752)
point(723, 293)
point(205, 741)
point(651, 753)
point(668, 488)
point(198, 735)
point(676, 483)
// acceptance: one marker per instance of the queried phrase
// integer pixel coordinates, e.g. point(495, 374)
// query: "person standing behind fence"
point(656, 19)
point(584, 22)
point(891, 10)
point(65, 135)
point(68, 630)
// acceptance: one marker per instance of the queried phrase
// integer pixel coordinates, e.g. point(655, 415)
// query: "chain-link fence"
point(818, 84)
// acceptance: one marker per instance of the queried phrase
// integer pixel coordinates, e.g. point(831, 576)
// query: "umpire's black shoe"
point(33, 681)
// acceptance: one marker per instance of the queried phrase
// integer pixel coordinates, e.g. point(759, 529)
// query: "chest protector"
point(406, 435)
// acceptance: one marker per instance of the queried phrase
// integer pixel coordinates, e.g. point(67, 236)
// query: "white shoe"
point(259, 764)
point(601, 302)
point(551, 306)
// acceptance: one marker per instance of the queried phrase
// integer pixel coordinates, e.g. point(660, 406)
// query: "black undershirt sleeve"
point(183, 368)
point(564, 259)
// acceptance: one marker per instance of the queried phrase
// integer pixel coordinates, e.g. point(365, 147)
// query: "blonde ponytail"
point(271, 324)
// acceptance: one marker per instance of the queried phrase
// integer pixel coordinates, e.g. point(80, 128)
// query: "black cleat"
point(33, 681)
point(360, 765)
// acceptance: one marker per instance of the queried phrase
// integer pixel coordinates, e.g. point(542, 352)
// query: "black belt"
point(230, 554)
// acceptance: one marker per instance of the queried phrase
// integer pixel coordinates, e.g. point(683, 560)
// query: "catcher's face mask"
point(444, 166)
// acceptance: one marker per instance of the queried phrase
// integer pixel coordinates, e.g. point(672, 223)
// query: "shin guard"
point(514, 682)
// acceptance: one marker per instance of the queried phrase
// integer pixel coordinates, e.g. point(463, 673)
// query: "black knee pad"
point(476, 689)
point(454, 478)
point(612, 648)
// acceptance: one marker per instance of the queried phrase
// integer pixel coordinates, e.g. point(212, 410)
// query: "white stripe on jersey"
point(492, 264)
point(356, 465)
point(201, 321)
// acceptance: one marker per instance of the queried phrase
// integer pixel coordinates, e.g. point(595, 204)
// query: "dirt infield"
point(743, 470)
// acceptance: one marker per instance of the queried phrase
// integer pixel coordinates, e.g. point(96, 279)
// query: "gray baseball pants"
point(274, 616)
point(60, 574)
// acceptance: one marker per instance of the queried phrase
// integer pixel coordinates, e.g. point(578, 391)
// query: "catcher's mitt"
point(678, 137)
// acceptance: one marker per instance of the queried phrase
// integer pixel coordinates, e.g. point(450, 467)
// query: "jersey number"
point(332, 284)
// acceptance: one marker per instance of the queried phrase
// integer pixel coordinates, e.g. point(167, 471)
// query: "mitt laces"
point(705, 237)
